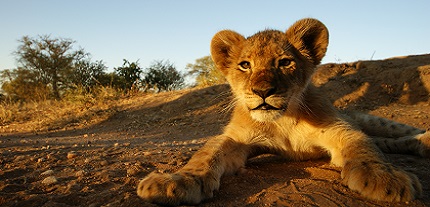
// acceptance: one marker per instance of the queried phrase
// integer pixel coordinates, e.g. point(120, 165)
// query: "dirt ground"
point(100, 165)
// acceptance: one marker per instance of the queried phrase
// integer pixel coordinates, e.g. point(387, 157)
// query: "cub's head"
point(269, 71)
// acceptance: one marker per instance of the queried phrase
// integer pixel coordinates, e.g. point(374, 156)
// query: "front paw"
point(170, 189)
point(381, 181)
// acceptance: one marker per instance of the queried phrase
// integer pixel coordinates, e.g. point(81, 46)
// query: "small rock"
point(47, 173)
point(50, 180)
point(132, 171)
point(147, 153)
point(116, 144)
point(40, 160)
point(51, 157)
point(81, 173)
point(24, 141)
point(73, 186)
point(19, 158)
point(104, 163)
point(71, 155)
point(46, 147)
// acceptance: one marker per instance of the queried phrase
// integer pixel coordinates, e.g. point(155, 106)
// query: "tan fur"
point(277, 110)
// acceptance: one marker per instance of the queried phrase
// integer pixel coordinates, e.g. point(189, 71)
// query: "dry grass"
point(76, 109)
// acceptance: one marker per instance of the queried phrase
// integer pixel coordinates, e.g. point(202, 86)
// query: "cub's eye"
point(284, 62)
point(245, 65)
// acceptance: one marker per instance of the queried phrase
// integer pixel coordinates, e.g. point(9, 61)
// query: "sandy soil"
point(100, 165)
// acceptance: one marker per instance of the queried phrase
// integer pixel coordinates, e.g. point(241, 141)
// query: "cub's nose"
point(264, 92)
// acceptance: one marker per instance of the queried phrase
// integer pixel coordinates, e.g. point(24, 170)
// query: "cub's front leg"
point(198, 179)
point(366, 171)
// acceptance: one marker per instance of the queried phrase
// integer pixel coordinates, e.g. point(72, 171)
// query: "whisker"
point(305, 106)
point(230, 105)
point(227, 100)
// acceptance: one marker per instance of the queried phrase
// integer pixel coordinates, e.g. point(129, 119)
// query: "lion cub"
point(279, 111)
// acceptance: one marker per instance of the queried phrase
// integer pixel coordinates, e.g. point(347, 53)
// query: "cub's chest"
point(291, 139)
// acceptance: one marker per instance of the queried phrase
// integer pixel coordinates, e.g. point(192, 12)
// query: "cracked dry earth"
point(100, 165)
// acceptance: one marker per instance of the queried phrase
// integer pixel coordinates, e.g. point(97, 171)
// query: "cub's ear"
point(310, 37)
point(224, 45)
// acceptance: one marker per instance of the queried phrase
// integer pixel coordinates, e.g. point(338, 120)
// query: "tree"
point(87, 73)
point(51, 59)
point(130, 74)
point(163, 76)
point(23, 84)
point(205, 70)
point(112, 80)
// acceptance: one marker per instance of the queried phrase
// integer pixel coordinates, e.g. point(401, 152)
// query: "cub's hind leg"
point(375, 126)
point(198, 179)
point(391, 136)
point(413, 144)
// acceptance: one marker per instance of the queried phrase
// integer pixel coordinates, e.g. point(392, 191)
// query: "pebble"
point(47, 173)
point(46, 147)
point(73, 187)
point(50, 157)
point(71, 155)
point(80, 173)
point(19, 158)
point(132, 171)
point(50, 180)
point(24, 141)
point(104, 163)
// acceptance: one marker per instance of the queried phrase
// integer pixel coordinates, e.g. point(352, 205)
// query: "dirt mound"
point(370, 84)
point(101, 165)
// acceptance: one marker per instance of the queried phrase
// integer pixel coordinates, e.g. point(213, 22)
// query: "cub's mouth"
point(265, 107)
point(268, 109)
point(266, 112)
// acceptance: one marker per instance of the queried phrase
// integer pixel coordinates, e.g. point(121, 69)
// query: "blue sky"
point(180, 31)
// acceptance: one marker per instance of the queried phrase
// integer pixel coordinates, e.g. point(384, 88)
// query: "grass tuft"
point(78, 108)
